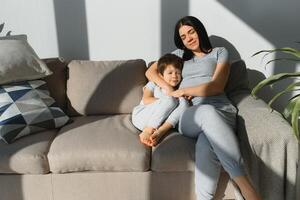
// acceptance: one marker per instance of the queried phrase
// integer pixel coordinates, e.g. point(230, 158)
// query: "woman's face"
point(189, 38)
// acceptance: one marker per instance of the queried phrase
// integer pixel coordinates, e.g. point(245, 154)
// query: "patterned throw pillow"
point(26, 108)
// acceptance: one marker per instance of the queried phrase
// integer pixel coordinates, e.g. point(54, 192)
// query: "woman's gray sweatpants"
point(216, 145)
point(166, 108)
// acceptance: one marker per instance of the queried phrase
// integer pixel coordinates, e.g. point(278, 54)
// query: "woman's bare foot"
point(145, 136)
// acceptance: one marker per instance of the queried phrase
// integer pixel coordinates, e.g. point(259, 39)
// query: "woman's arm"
point(148, 96)
point(214, 87)
point(153, 75)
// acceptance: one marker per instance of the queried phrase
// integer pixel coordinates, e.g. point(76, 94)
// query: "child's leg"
point(149, 117)
point(154, 114)
point(140, 117)
point(160, 132)
point(171, 121)
point(179, 110)
point(165, 105)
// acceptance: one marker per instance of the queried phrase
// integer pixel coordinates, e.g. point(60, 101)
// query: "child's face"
point(172, 75)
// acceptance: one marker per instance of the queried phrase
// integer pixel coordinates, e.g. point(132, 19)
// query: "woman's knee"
point(203, 146)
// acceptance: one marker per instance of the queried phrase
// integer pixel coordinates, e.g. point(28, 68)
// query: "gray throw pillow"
point(238, 79)
point(19, 62)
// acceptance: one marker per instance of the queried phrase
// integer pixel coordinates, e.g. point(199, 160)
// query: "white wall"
point(115, 29)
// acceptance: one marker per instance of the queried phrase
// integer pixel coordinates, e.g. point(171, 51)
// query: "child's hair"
point(169, 59)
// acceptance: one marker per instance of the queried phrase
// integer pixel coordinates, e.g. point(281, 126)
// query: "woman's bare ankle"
point(246, 188)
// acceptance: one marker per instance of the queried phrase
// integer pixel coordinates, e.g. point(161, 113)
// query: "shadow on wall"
point(254, 76)
point(276, 21)
point(217, 41)
point(235, 56)
point(71, 26)
point(171, 12)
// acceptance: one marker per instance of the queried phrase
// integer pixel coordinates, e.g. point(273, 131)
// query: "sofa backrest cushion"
point(104, 87)
point(56, 82)
point(238, 79)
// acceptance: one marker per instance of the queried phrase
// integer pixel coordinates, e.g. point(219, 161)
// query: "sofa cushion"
point(238, 79)
point(105, 87)
point(27, 108)
point(19, 62)
point(98, 143)
point(175, 153)
point(56, 82)
point(28, 155)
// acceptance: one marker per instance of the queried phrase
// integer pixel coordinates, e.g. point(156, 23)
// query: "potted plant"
point(292, 109)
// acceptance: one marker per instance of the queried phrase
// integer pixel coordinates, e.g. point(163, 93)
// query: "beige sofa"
point(99, 157)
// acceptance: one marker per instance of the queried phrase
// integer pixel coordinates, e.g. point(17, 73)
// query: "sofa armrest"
point(262, 124)
point(268, 146)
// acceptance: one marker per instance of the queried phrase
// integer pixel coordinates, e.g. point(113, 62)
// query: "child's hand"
point(177, 93)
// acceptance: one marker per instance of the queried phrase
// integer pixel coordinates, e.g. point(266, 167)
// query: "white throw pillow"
point(19, 62)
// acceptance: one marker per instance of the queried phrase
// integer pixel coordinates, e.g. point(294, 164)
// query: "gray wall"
point(106, 30)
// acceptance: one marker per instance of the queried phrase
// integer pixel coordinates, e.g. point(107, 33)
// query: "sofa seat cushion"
point(27, 155)
point(99, 143)
point(175, 153)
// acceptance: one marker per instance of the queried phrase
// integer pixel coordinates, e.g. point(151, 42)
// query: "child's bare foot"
point(145, 136)
point(156, 137)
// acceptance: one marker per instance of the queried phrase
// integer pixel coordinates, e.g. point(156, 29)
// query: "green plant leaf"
point(289, 88)
point(292, 109)
point(286, 50)
point(295, 118)
point(1, 27)
point(289, 108)
point(286, 59)
point(272, 79)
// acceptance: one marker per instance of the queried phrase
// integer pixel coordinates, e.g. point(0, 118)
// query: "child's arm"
point(148, 96)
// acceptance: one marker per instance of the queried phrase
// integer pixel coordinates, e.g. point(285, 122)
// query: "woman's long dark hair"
point(205, 44)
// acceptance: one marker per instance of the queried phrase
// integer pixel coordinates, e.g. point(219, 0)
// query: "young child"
point(157, 112)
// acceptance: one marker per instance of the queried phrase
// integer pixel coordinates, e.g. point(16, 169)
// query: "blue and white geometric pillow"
point(25, 108)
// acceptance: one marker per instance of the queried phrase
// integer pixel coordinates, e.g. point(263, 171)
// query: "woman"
point(212, 118)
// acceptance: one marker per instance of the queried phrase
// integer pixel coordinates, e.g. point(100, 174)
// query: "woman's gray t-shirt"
point(199, 70)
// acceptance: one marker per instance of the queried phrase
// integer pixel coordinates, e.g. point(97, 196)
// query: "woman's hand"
point(180, 93)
